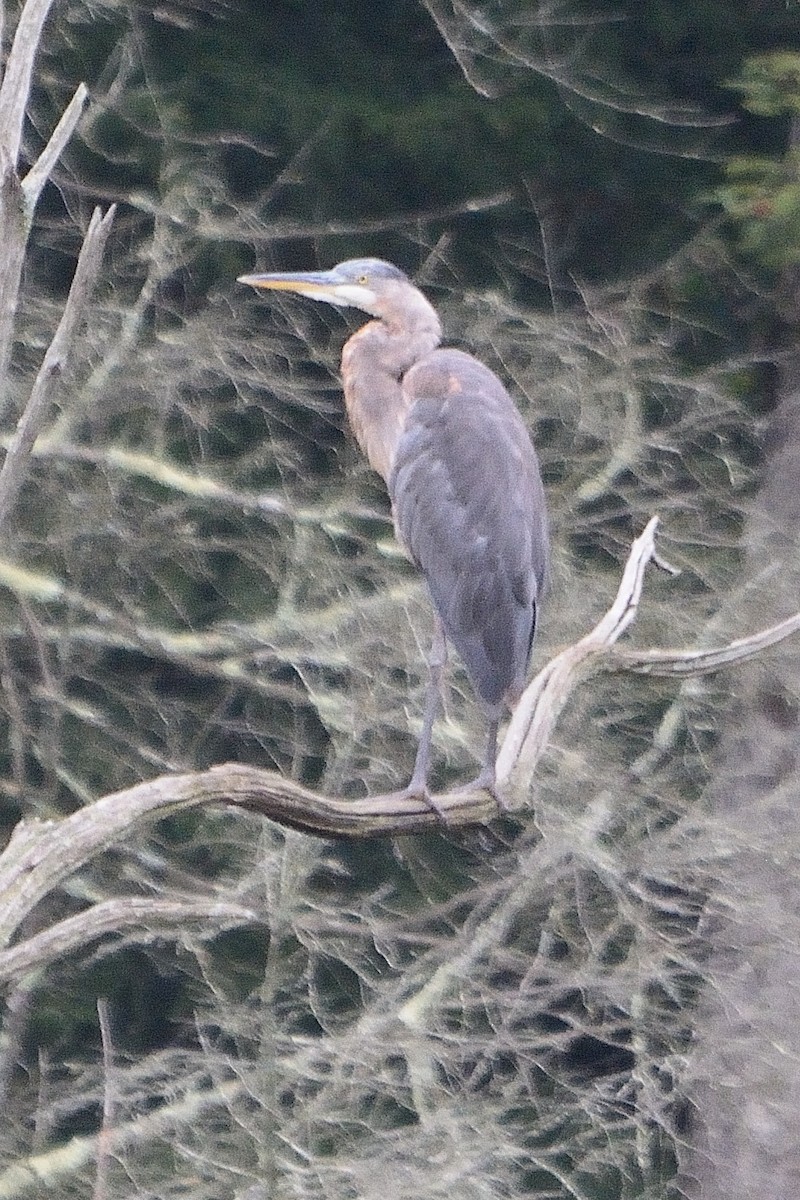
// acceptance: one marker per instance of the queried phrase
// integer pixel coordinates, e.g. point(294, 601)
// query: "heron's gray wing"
point(468, 503)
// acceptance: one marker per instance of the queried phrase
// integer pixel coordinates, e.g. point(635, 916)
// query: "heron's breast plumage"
point(376, 402)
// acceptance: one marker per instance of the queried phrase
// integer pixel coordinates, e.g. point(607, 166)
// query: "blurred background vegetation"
point(602, 199)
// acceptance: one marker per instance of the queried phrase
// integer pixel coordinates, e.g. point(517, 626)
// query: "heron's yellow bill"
point(308, 283)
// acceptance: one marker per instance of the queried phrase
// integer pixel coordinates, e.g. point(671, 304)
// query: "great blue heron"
point(463, 479)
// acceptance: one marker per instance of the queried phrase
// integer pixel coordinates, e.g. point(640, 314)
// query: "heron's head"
point(366, 283)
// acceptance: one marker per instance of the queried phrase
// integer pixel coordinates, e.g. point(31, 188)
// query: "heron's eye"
point(363, 279)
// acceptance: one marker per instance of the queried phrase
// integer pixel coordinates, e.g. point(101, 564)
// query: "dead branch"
point(18, 199)
point(42, 169)
point(15, 464)
point(18, 73)
point(702, 662)
point(42, 854)
point(542, 701)
point(73, 934)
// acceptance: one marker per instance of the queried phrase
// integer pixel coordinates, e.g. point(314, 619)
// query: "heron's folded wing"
point(468, 503)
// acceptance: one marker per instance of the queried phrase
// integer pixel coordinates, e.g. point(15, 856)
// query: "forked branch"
point(18, 197)
point(37, 407)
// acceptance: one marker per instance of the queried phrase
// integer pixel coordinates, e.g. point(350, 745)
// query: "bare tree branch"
point(14, 228)
point(17, 78)
point(41, 170)
point(449, 29)
point(542, 701)
point(702, 662)
point(12, 474)
point(162, 917)
point(18, 200)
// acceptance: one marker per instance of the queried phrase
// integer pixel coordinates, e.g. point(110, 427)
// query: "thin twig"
point(702, 662)
point(453, 38)
point(40, 172)
point(103, 1157)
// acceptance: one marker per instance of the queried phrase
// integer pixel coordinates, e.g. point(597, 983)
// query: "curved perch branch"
point(42, 854)
point(542, 701)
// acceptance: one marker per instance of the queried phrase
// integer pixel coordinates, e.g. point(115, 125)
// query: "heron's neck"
point(374, 361)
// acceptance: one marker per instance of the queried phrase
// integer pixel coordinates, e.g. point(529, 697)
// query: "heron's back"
point(468, 503)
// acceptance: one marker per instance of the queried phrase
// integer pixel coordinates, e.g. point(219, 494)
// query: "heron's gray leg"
point(487, 778)
point(437, 660)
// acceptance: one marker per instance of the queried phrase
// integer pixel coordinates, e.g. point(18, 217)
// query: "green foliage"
point(770, 83)
point(761, 194)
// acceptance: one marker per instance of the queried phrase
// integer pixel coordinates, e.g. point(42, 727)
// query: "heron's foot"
point(486, 781)
point(417, 790)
